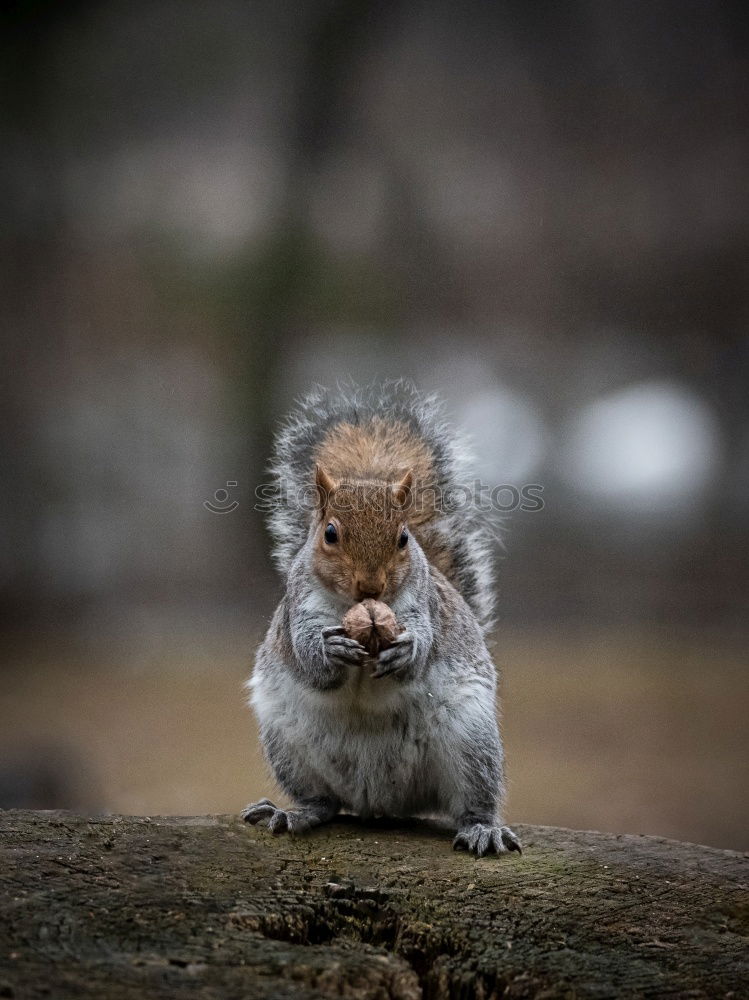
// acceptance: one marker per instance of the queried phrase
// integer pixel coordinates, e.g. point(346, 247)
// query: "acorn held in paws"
point(372, 624)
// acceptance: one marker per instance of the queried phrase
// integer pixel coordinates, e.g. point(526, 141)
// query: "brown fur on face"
point(369, 518)
point(380, 451)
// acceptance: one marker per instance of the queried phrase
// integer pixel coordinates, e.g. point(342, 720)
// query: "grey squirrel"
point(373, 502)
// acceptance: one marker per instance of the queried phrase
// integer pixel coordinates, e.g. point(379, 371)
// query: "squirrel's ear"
point(325, 486)
point(402, 490)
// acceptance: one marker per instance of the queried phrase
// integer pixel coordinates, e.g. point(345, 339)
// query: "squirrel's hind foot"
point(277, 820)
point(291, 821)
point(482, 839)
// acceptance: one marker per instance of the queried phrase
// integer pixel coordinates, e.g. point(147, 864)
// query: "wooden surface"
point(207, 907)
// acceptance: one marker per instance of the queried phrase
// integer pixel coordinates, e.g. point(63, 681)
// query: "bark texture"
point(206, 907)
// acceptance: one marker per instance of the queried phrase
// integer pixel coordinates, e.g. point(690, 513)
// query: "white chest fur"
point(368, 740)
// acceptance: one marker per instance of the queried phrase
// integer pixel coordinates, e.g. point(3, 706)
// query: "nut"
point(372, 624)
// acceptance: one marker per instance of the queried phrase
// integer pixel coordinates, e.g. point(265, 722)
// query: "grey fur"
point(412, 732)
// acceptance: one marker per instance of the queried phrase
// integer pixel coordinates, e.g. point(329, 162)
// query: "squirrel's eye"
point(403, 540)
point(331, 535)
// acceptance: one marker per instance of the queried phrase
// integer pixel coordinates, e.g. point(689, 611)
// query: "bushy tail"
point(456, 536)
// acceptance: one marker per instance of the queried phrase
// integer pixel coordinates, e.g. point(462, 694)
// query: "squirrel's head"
point(362, 543)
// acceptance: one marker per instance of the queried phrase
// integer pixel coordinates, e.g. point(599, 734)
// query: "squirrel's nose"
point(369, 588)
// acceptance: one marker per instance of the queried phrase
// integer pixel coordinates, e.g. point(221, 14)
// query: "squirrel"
point(371, 502)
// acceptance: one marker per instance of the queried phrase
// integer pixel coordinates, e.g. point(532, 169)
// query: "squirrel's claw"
point(278, 821)
point(342, 642)
point(340, 650)
point(255, 812)
point(482, 839)
point(396, 658)
point(333, 630)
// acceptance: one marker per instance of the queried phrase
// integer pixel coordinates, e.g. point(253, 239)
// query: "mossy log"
point(207, 907)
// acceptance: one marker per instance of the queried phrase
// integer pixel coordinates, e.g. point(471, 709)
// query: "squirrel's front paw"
point(340, 651)
point(397, 658)
point(481, 839)
point(277, 820)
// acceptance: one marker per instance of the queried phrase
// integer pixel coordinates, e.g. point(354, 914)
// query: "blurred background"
point(538, 210)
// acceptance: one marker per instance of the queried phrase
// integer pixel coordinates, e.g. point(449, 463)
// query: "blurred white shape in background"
point(508, 435)
point(506, 429)
point(652, 447)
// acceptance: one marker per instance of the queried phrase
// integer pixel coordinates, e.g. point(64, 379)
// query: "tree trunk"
point(134, 907)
